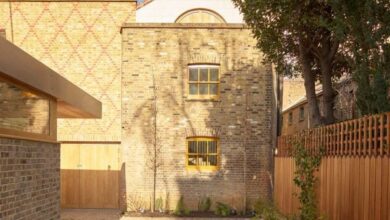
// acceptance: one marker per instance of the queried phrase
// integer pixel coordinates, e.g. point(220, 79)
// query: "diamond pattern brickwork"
point(81, 41)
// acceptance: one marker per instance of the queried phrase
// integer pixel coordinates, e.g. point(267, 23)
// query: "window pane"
point(213, 89)
point(212, 160)
point(23, 110)
point(204, 75)
point(202, 147)
point(302, 113)
point(192, 161)
point(203, 89)
point(202, 160)
point(212, 147)
point(192, 147)
point(214, 74)
point(193, 89)
point(193, 74)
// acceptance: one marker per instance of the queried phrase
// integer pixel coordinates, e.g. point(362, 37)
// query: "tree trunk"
point(311, 96)
point(154, 145)
point(328, 91)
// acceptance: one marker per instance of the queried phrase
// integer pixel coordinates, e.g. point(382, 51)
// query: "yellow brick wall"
point(241, 118)
point(82, 42)
point(293, 91)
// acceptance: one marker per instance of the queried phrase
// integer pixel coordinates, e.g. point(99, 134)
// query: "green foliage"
point(204, 204)
point(282, 26)
point(306, 164)
point(366, 28)
point(181, 209)
point(266, 210)
point(358, 30)
point(297, 36)
point(371, 96)
point(277, 26)
point(159, 204)
point(222, 209)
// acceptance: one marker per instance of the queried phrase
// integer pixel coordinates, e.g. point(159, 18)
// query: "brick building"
point(296, 114)
point(32, 97)
point(193, 61)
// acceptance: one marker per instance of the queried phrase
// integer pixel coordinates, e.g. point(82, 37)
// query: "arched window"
point(200, 16)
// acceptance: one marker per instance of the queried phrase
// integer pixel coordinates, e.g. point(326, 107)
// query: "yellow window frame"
point(208, 82)
point(203, 167)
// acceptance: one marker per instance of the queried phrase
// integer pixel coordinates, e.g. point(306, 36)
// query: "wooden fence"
point(354, 176)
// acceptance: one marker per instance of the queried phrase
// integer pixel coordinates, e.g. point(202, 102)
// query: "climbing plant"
point(306, 165)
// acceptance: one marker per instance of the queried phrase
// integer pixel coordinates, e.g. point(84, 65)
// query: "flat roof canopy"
point(21, 68)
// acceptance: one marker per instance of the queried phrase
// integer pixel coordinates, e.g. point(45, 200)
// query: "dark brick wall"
point(30, 180)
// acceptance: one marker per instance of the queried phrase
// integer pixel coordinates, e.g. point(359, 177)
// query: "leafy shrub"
point(181, 209)
point(222, 209)
point(306, 165)
point(204, 204)
point(266, 210)
point(159, 204)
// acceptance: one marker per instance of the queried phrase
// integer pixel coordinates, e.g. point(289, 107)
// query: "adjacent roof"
point(300, 101)
point(140, 5)
point(20, 67)
point(341, 82)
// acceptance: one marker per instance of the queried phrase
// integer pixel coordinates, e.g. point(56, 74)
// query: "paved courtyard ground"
point(90, 214)
point(113, 214)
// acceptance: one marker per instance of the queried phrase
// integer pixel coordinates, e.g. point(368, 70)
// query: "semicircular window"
point(200, 16)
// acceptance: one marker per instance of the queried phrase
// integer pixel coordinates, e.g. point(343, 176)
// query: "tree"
point(154, 152)
point(365, 28)
point(295, 36)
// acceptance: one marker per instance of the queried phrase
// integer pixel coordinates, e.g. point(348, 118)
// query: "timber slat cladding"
point(349, 187)
point(354, 175)
point(367, 136)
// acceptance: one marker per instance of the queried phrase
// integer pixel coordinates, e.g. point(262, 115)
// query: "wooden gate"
point(89, 176)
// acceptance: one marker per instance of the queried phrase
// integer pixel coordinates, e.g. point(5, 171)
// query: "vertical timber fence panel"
point(354, 175)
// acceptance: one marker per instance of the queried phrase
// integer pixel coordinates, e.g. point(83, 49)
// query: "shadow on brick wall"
point(241, 118)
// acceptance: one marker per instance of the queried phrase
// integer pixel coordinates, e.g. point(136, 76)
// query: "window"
point(200, 16)
point(22, 110)
point(202, 153)
point(290, 118)
point(302, 113)
point(203, 81)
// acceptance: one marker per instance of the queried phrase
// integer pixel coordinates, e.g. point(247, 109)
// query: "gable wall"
point(240, 118)
point(167, 11)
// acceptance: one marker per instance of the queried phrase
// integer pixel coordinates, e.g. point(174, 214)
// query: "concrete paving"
point(113, 214)
point(90, 214)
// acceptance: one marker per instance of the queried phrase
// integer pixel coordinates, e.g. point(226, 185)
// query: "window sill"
point(202, 169)
point(202, 100)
